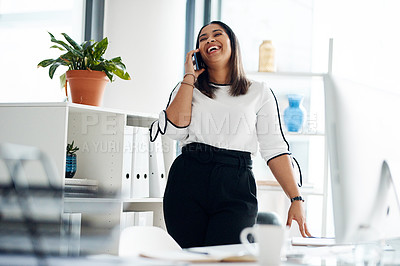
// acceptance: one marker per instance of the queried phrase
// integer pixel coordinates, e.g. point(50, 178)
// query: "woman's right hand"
point(189, 65)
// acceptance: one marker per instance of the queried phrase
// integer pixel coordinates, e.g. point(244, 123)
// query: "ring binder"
point(140, 163)
point(157, 180)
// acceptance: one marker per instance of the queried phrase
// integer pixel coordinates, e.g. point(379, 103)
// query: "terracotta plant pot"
point(87, 86)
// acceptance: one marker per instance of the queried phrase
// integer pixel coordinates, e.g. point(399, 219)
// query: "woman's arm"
point(282, 169)
point(179, 112)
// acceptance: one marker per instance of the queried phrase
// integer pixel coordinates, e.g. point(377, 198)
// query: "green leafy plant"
point(71, 149)
point(86, 56)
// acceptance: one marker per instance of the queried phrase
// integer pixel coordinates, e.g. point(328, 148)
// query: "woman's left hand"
point(296, 212)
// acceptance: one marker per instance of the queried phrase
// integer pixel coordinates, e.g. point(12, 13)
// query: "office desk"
point(333, 255)
point(330, 255)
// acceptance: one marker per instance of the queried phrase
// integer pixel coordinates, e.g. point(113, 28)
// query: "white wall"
point(149, 35)
point(366, 44)
point(288, 23)
point(366, 40)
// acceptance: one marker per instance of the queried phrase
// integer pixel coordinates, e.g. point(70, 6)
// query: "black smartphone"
point(198, 61)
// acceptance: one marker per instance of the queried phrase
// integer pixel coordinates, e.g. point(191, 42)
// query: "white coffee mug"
point(270, 240)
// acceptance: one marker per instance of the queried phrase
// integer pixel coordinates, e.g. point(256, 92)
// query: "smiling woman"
point(220, 118)
point(221, 37)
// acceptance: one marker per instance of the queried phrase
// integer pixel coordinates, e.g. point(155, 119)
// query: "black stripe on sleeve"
point(287, 143)
point(286, 153)
point(151, 130)
point(174, 124)
point(166, 117)
point(301, 175)
point(279, 119)
point(165, 126)
point(170, 95)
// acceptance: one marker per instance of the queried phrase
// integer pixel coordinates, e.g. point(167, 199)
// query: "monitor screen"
point(362, 127)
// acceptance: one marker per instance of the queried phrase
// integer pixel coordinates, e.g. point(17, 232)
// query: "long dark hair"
point(238, 81)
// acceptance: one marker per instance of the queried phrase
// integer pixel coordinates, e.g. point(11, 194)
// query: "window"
point(25, 42)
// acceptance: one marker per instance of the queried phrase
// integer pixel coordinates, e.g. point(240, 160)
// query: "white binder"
point(157, 169)
point(144, 218)
point(137, 218)
point(127, 220)
point(122, 224)
point(140, 163)
point(127, 163)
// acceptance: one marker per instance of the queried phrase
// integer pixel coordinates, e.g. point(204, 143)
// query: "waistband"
point(206, 153)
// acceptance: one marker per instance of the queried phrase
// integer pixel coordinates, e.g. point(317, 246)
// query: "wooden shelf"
point(273, 185)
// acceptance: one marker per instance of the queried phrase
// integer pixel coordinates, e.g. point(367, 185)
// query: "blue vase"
point(294, 113)
point(70, 166)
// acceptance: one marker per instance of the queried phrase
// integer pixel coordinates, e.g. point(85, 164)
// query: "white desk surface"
point(329, 255)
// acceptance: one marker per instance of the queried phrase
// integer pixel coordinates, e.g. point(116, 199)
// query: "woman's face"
point(214, 45)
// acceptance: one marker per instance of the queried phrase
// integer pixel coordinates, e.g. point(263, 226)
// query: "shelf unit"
point(308, 146)
point(99, 133)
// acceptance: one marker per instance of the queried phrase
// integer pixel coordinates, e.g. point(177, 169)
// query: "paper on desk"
point(192, 256)
point(313, 241)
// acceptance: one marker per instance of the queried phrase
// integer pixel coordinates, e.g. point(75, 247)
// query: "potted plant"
point(70, 167)
point(87, 69)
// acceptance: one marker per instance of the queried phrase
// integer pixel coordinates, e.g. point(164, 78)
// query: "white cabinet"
point(308, 147)
point(99, 134)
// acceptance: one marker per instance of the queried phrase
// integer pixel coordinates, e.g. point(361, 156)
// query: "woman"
point(220, 118)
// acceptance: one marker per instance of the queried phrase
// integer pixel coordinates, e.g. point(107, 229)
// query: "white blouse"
point(242, 123)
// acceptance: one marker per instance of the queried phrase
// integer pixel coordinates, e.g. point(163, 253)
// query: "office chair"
point(30, 213)
point(268, 218)
point(137, 239)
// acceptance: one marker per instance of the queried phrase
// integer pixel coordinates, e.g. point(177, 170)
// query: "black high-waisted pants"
point(210, 196)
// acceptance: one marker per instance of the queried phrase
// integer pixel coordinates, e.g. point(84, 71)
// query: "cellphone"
point(198, 61)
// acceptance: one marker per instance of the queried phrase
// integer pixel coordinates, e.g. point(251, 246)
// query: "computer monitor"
point(363, 135)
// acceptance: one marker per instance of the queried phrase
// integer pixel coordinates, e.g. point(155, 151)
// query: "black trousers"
point(210, 196)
